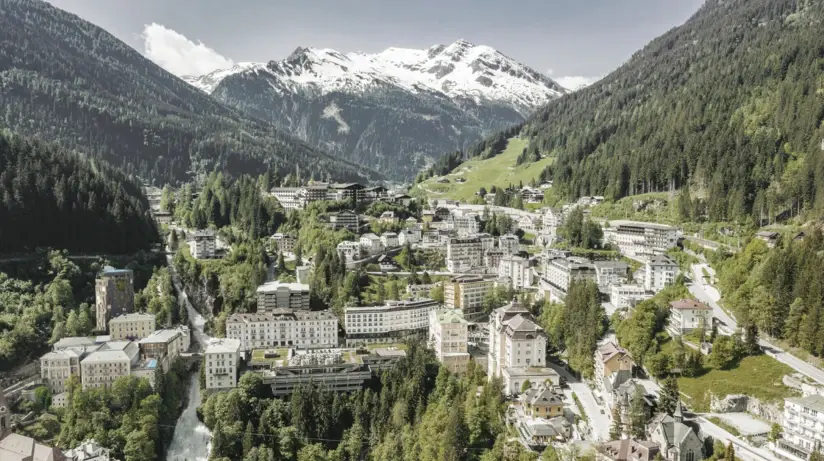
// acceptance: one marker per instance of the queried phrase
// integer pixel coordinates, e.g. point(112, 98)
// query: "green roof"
point(450, 316)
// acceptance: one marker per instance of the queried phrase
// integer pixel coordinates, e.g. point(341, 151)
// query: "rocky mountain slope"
point(395, 111)
point(66, 80)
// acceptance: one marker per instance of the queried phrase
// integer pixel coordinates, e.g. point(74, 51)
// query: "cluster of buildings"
point(134, 347)
point(292, 198)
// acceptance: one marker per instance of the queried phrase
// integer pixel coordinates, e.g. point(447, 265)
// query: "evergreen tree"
point(248, 438)
point(638, 414)
point(616, 429)
point(669, 396)
point(729, 453)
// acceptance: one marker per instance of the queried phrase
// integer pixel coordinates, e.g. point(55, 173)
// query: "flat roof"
point(106, 356)
point(271, 287)
point(815, 402)
point(134, 316)
point(393, 305)
point(648, 225)
point(223, 346)
point(160, 336)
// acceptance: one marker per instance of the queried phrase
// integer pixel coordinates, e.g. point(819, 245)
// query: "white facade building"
point(464, 225)
point(409, 236)
point(221, 361)
point(509, 243)
point(635, 238)
point(285, 242)
point(290, 198)
point(57, 366)
point(463, 254)
point(515, 340)
point(610, 272)
point(448, 335)
point(389, 240)
point(467, 293)
point(561, 272)
point(551, 221)
point(803, 427)
point(344, 220)
point(687, 315)
point(279, 295)
point(371, 244)
point(100, 369)
point(517, 269)
point(660, 271)
point(204, 244)
point(395, 319)
point(283, 328)
point(132, 326)
point(349, 251)
point(627, 296)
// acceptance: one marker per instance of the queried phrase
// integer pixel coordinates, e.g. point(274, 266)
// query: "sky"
point(573, 41)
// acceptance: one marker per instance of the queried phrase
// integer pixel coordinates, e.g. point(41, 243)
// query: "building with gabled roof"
point(613, 367)
point(17, 447)
point(515, 340)
point(627, 450)
point(542, 402)
point(687, 315)
point(676, 440)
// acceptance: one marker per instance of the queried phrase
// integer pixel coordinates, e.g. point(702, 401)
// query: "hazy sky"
point(566, 39)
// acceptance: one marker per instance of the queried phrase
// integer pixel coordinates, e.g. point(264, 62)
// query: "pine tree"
point(616, 429)
point(638, 414)
point(729, 453)
point(248, 438)
point(669, 395)
point(281, 263)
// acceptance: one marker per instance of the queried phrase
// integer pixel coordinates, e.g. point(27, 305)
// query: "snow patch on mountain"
point(460, 71)
point(332, 111)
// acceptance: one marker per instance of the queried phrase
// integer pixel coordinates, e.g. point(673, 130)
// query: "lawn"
point(497, 171)
point(758, 376)
point(655, 207)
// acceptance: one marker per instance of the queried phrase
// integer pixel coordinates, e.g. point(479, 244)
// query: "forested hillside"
point(66, 80)
point(730, 105)
point(50, 198)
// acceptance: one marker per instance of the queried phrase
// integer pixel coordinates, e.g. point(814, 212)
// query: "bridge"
point(192, 358)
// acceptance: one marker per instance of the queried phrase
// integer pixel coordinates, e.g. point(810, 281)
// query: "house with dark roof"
point(687, 315)
point(542, 402)
point(613, 367)
point(627, 450)
point(677, 440)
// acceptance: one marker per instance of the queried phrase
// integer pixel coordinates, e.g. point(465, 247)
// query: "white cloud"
point(179, 55)
point(574, 83)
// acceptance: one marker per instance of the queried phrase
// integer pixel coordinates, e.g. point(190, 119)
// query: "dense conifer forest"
point(65, 80)
point(50, 198)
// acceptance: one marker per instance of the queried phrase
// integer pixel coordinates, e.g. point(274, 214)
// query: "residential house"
point(344, 220)
point(467, 293)
point(803, 427)
point(771, 238)
point(204, 244)
point(660, 272)
point(285, 243)
point(16, 447)
point(608, 273)
point(389, 240)
point(371, 244)
point(388, 217)
point(687, 315)
point(279, 295)
point(221, 361)
point(509, 243)
point(449, 335)
point(613, 367)
point(517, 269)
point(627, 450)
point(349, 251)
point(542, 401)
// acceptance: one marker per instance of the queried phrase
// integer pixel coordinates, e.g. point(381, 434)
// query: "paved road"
point(598, 422)
point(743, 450)
point(710, 296)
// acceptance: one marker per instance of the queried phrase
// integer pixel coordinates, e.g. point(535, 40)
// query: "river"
point(191, 440)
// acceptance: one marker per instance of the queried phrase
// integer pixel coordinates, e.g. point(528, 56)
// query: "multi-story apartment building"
point(290, 198)
point(464, 225)
point(133, 326)
point(57, 366)
point(492, 259)
point(608, 273)
point(349, 251)
point(515, 340)
point(687, 315)
point(279, 295)
point(394, 320)
point(285, 243)
point(487, 241)
point(448, 335)
point(509, 243)
point(517, 269)
point(389, 240)
point(627, 296)
point(204, 244)
point(371, 243)
point(221, 361)
point(660, 271)
point(803, 428)
point(409, 236)
point(561, 272)
point(345, 191)
point(640, 238)
point(344, 220)
point(551, 221)
point(102, 368)
point(114, 295)
point(283, 328)
point(462, 254)
point(467, 293)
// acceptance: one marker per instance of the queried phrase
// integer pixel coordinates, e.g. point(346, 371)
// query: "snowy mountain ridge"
point(460, 71)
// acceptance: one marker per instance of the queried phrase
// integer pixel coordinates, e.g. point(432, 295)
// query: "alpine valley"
point(395, 111)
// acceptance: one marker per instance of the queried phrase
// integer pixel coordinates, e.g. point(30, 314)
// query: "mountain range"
point(395, 111)
point(65, 80)
point(726, 109)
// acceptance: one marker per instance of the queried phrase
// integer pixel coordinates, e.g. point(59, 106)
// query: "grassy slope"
point(759, 376)
point(497, 171)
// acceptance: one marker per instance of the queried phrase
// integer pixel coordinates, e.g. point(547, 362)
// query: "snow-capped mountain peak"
point(461, 70)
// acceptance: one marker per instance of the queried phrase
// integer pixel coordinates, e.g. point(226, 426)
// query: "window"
point(690, 456)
